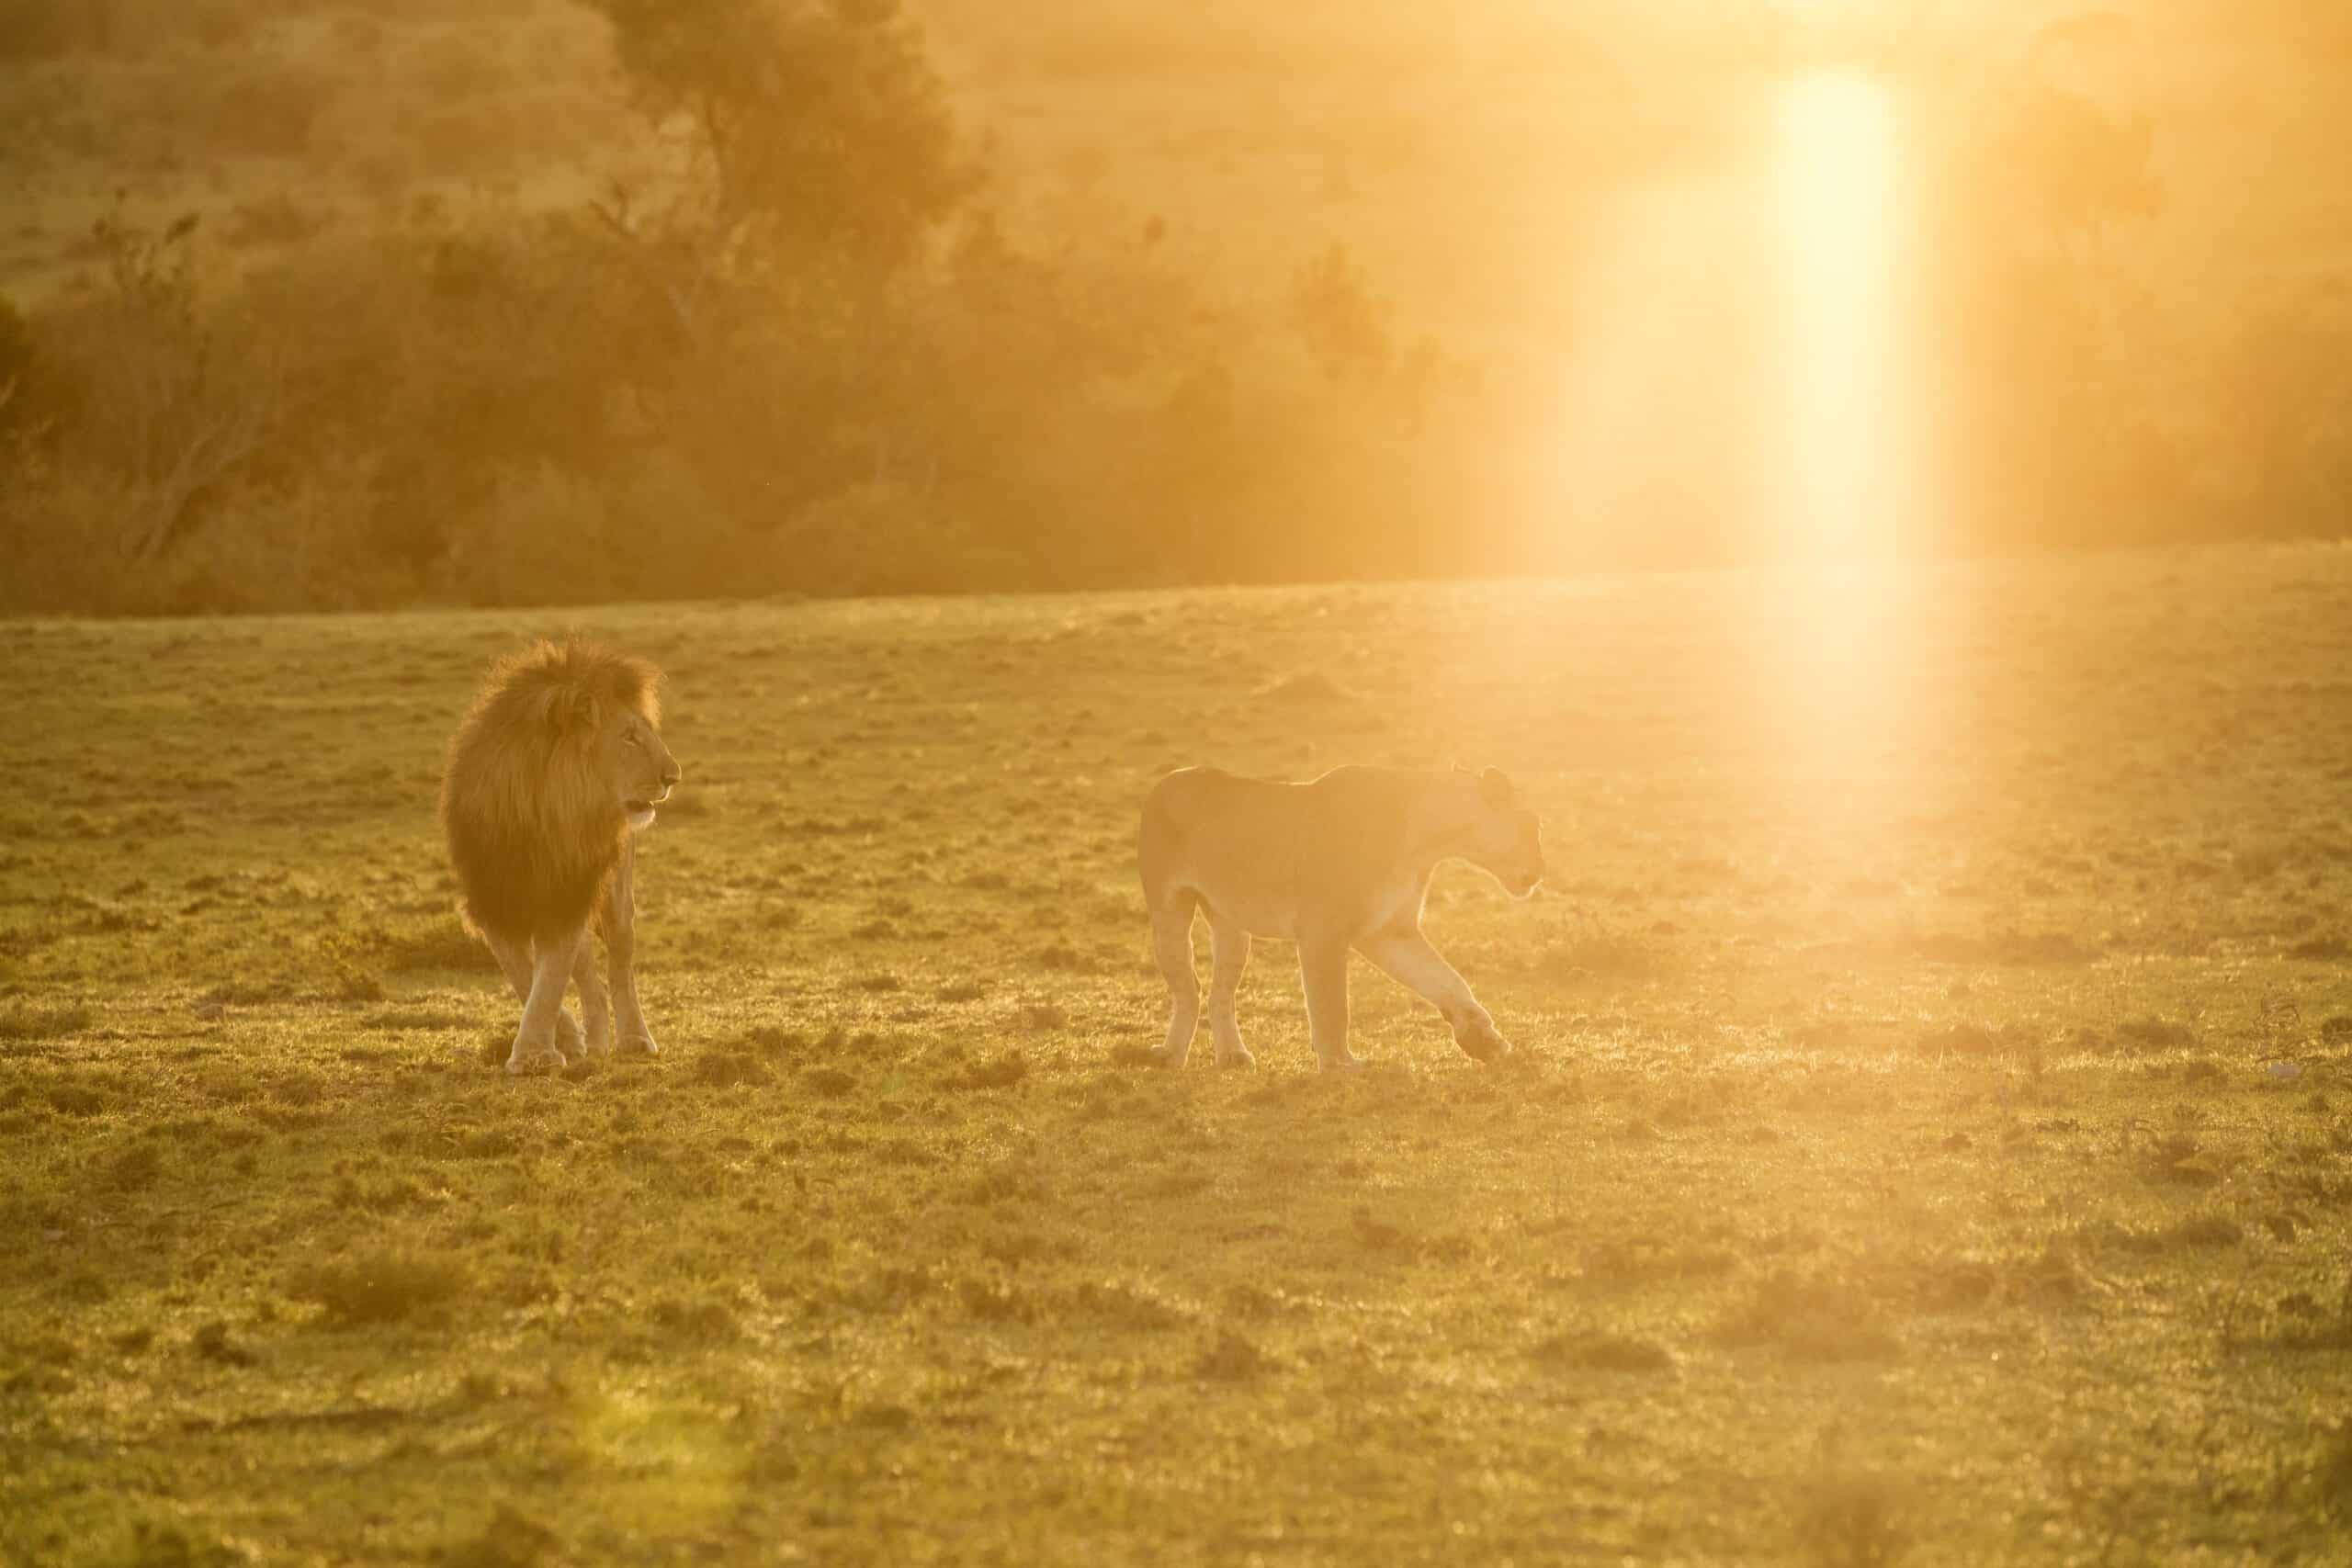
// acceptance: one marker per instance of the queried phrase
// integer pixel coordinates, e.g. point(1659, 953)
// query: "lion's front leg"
point(596, 1011)
point(1415, 965)
point(537, 1047)
point(518, 963)
point(631, 1032)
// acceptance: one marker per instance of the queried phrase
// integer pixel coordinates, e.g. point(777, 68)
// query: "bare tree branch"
point(217, 447)
point(646, 257)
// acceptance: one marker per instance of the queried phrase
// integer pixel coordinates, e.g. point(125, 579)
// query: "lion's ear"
point(1495, 790)
point(564, 709)
point(1460, 769)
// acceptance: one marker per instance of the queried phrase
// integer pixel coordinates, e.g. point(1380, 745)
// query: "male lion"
point(1339, 863)
point(553, 772)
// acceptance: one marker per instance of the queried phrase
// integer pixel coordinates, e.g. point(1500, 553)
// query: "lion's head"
point(1505, 839)
point(641, 768)
point(600, 719)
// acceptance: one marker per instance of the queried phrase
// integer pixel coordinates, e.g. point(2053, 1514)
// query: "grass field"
point(1932, 1136)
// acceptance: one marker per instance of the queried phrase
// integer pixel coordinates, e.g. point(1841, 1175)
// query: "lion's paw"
point(1348, 1064)
point(1236, 1057)
point(546, 1059)
point(638, 1044)
point(1161, 1057)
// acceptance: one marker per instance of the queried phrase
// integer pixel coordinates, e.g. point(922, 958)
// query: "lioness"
point(1341, 861)
point(554, 773)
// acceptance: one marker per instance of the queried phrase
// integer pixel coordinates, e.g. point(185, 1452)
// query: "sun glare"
point(1843, 510)
point(1838, 207)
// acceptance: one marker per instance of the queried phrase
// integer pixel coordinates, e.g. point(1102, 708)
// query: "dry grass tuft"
point(380, 1288)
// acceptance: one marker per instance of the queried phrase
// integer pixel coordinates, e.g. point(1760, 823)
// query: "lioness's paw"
point(1236, 1057)
point(639, 1044)
point(1161, 1057)
point(1350, 1064)
point(546, 1059)
point(1482, 1042)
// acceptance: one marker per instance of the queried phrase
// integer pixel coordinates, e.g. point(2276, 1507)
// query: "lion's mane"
point(532, 825)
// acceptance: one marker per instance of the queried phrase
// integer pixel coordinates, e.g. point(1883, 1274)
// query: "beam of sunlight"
point(1845, 511)
point(1839, 204)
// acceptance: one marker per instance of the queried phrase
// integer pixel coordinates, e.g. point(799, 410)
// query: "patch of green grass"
point(2332, 1472)
point(380, 1287)
point(1603, 1353)
point(1811, 1318)
point(19, 1021)
point(1851, 1519)
point(1003, 1072)
point(441, 943)
point(511, 1538)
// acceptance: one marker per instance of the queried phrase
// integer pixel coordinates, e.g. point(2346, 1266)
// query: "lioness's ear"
point(1495, 790)
point(1460, 769)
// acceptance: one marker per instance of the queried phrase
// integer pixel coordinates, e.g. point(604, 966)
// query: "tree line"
point(813, 360)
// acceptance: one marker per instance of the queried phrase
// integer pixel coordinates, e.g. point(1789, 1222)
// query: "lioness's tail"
point(1168, 898)
point(1172, 900)
point(1160, 849)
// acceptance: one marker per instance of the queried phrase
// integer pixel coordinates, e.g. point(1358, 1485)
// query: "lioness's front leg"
point(1228, 958)
point(1323, 965)
point(1407, 956)
point(620, 945)
point(535, 1040)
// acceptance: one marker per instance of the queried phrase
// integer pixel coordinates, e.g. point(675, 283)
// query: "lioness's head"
point(1505, 841)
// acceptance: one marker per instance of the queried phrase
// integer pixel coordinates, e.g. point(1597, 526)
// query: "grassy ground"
point(1934, 1137)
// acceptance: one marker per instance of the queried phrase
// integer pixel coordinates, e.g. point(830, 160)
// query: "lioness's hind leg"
point(1171, 944)
point(1229, 944)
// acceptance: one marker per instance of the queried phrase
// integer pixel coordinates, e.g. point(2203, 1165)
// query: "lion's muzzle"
point(639, 811)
